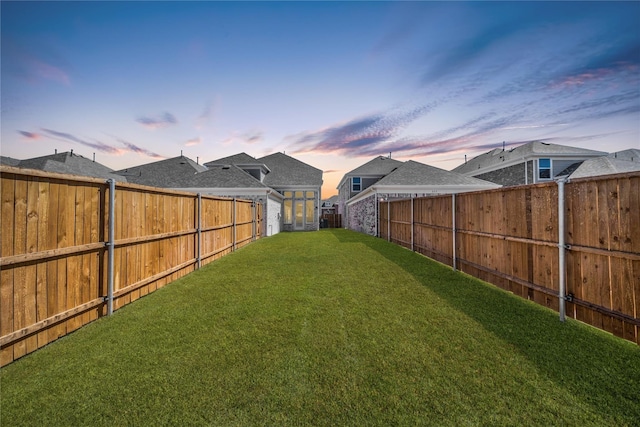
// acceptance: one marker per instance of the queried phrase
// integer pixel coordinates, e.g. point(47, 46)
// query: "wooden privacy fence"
point(59, 269)
point(331, 220)
point(512, 237)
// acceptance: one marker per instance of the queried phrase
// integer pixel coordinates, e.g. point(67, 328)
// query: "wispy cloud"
point(97, 145)
point(24, 64)
point(193, 141)
point(250, 137)
point(139, 150)
point(159, 121)
point(29, 135)
point(358, 136)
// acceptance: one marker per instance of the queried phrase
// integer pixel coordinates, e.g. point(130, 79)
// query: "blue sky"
point(331, 83)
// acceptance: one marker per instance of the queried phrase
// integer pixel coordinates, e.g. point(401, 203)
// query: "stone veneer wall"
point(361, 216)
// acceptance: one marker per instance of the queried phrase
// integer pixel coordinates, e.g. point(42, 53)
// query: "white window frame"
point(353, 184)
point(540, 169)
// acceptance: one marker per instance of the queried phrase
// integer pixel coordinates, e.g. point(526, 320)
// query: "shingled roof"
point(495, 158)
point(415, 173)
point(236, 159)
point(164, 173)
point(70, 163)
point(229, 176)
point(287, 171)
point(605, 166)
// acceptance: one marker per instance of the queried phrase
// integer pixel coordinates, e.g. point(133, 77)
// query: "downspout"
point(561, 250)
point(110, 245)
point(526, 171)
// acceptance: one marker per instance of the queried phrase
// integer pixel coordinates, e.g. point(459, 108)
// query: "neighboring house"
point(362, 177)
point(329, 205)
point(300, 184)
point(526, 164)
point(220, 179)
point(297, 182)
point(67, 163)
point(619, 162)
point(404, 180)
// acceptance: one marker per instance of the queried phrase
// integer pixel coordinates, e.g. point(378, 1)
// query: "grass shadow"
point(566, 353)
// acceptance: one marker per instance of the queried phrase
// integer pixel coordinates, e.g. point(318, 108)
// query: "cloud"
point(139, 150)
point(358, 136)
point(97, 145)
point(24, 64)
point(29, 135)
point(157, 122)
point(250, 137)
point(193, 141)
point(620, 60)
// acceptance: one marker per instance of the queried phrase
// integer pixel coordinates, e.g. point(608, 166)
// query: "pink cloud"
point(193, 141)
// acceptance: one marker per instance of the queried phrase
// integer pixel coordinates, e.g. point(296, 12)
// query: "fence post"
point(199, 219)
point(412, 225)
point(453, 230)
point(254, 214)
point(234, 225)
point(110, 244)
point(388, 220)
point(561, 250)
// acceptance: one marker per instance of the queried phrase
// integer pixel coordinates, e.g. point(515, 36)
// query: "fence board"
point(53, 256)
point(509, 237)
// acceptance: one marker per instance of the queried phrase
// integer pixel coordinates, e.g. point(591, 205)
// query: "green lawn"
point(328, 328)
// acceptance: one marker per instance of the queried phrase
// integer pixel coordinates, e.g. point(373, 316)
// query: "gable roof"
point(287, 171)
point(632, 154)
point(164, 173)
point(605, 166)
point(229, 176)
point(70, 163)
point(378, 166)
point(9, 161)
point(497, 158)
point(236, 159)
point(417, 174)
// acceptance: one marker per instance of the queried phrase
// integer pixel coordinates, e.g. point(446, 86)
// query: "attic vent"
point(545, 143)
point(226, 167)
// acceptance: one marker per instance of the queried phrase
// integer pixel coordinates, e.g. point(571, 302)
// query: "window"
point(311, 195)
point(288, 211)
point(299, 195)
point(356, 184)
point(310, 211)
point(544, 168)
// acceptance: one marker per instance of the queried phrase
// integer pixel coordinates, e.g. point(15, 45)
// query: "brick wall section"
point(512, 175)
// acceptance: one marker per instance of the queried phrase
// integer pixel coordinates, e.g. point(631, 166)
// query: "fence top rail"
point(36, 173)
point(5, 170)
point(635, 174)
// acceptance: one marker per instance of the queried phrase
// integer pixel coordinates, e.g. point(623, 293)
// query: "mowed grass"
point(329, 328)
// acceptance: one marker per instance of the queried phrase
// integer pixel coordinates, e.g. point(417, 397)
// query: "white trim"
point(419, 189)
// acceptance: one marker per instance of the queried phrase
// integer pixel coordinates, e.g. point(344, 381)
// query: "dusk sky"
point(333, 84)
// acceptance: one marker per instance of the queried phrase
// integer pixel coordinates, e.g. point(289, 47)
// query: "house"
point(220, 179)
point(68, 163)
point(329, 206)
point(300, 184)
point(297, 182)
point(362, 178)
point(529, 163)
point(403, 180)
